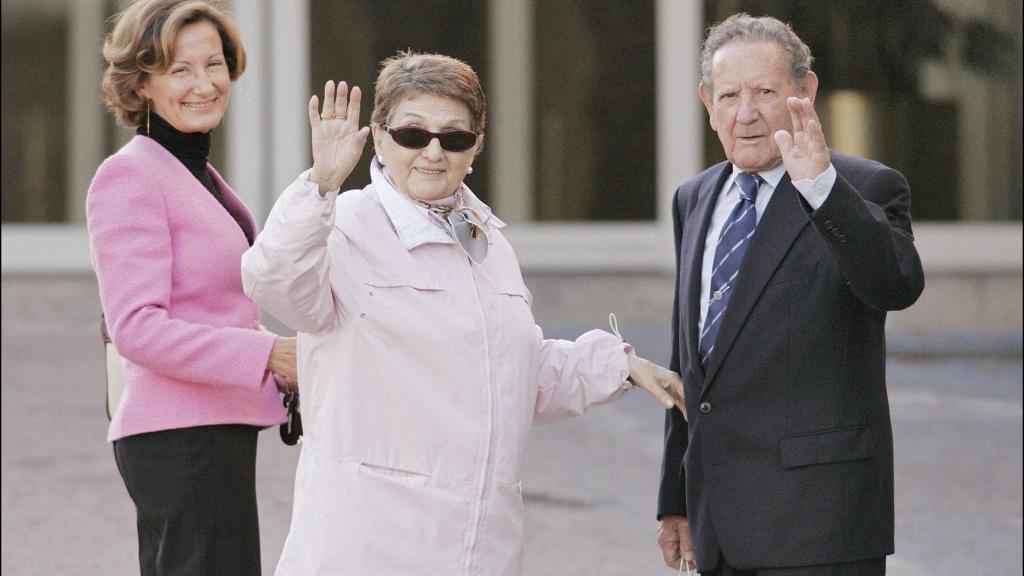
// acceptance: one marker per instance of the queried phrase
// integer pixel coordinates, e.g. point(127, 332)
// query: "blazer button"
point(705, 407)
point(828, 224)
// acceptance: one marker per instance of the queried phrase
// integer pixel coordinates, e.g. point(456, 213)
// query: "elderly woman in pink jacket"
point(421, 366)
point(167, 235)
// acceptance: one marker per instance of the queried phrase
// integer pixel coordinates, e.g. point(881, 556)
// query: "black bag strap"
point(291, 429)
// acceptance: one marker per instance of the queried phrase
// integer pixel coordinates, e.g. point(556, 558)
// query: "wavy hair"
point(142, 43)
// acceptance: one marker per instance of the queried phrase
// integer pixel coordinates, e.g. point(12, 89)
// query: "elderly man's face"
point(750, 84)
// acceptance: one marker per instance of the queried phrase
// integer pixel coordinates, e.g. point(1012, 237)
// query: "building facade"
point(593, 122)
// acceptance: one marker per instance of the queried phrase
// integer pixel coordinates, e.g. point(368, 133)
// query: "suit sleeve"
point(867, 229)
point(672, 492)
point(130, 240)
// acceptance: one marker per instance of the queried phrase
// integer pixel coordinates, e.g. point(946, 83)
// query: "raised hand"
point(804, 152)
point(665, 385)
point(337, 138)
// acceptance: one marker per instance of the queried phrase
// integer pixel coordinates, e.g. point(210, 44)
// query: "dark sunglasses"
point(412, 137)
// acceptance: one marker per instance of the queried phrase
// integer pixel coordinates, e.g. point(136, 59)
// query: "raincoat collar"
point(412, 223)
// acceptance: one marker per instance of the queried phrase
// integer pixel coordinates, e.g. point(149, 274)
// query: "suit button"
point(705, 407)
point(842, 238)
point(828, 224)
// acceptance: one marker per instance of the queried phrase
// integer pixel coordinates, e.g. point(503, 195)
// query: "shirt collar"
point(412, 222)
point(772, 176)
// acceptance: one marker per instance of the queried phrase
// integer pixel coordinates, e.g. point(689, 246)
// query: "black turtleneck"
point(193, 150)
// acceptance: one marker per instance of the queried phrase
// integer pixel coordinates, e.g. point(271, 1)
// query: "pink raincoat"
point(422, 373)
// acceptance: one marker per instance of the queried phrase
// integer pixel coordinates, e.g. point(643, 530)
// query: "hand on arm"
point(674, 540)
point(283, 365)
point(337, 138)
point(285, 384)
point(665, 385)
point(804, 152)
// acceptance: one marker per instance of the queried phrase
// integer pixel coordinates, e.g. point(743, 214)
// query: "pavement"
point(590, 483)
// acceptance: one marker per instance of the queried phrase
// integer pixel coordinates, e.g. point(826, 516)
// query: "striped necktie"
point(732, 245)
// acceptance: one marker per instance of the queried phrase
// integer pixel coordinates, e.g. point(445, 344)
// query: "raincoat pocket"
point(399, 278)
point(394, 473)
point(395, 302)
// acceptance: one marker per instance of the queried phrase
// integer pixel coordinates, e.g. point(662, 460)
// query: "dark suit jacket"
point(787, 457)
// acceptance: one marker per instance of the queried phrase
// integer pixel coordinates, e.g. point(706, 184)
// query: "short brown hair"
point(142, 43)
point(409, 73)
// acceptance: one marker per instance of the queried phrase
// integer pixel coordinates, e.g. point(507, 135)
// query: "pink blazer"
point(167, 256)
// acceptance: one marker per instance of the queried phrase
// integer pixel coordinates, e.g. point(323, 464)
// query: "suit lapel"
point(782, 222)
point(692, 252)
point(234, 205)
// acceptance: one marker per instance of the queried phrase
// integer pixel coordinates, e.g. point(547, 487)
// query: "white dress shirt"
point(815, 192)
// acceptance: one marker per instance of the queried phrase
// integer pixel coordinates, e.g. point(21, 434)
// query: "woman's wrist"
point(272, 359)
point(326, 184)
point(282, 357)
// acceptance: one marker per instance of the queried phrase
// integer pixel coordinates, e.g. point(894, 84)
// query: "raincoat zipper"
point(482, 492)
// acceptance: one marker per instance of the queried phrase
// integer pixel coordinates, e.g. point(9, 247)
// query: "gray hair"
point(743, 27)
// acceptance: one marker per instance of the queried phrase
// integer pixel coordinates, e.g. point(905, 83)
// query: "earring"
point(147, 117)
point(380, 159)
point(470, 170)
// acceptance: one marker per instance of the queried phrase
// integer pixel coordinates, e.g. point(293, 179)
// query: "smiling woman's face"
point(429, 173)
point(192, 94)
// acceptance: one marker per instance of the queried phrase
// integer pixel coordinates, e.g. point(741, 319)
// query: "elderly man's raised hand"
point(665, 385)
point(337, 138)
point(804, 152)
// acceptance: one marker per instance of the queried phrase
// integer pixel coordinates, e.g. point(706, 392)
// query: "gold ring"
point(326, 116)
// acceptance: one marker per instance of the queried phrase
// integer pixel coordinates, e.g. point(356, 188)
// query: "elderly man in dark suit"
point(788, 256)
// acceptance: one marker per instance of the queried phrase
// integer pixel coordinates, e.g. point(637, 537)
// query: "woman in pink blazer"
point(167, 234)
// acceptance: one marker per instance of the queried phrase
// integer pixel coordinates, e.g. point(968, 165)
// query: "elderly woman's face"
point(192, 94)
point(429, 173)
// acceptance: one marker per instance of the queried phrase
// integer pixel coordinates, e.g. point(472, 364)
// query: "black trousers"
point(195, 495)
point(873, 567)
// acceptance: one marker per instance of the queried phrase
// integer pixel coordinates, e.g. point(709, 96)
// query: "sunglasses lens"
point(457, 141)
point(454, 141)
point(411, 137)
